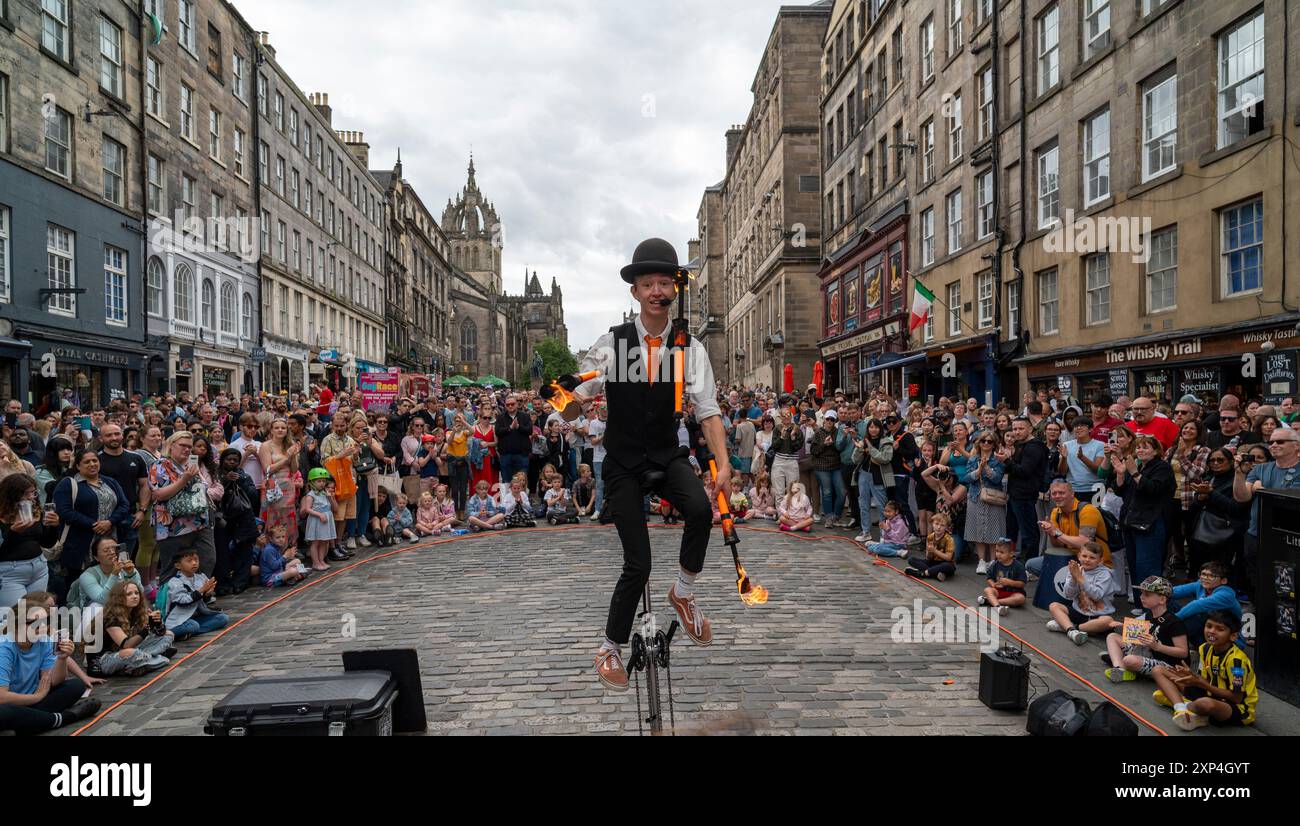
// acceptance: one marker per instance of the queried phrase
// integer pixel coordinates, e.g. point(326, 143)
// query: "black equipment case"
point(355, 703)
point(1004, 679)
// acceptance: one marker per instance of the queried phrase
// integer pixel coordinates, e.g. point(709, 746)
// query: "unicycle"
point(651, 651)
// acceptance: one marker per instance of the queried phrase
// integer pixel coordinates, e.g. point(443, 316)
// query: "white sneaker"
point(363, 542)
point(1053, 625)
point(1003, 610)
point(981, 600)
point(1076, 636)
point(982, 568)
point(595, 517)
point(351, 544)
point(862, 537)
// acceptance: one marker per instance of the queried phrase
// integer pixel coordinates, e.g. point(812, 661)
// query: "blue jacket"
point(846, 450)
point(81, 518)
point(1223, 598)
point(992, 476)
point(476, 452)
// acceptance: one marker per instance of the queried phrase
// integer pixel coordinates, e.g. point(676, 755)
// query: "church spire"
point(472, 185)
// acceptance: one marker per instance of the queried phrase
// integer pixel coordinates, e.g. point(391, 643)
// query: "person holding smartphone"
point(114, 565)
point(27, 529)
point(186, 523)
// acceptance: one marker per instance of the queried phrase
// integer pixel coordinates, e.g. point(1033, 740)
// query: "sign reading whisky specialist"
point(1202, 382)
point(1117, 380)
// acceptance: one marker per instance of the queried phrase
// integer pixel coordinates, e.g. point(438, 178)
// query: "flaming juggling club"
point(560, 394)
point(751, 593)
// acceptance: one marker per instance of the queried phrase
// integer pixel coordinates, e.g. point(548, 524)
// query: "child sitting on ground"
point(379, 518)
point(557, 503)
point(482, 511)
point(538, 496)
point(893, 533)
point(1209, 593)
point(795, 510)
point(1090, 587)
point(584, 492)
point(937, 561)
point(761, 503)
point(402, 520)
point(446, 520)
point(514, 503)
point(135, 641)
point(427, 516)
point(739, 502)
point(1006, 579)
point(1223, 693)
point(278, 561)
point(187, 614)
point(1164, 645)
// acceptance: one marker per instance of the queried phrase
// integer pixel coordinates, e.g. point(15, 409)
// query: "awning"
point(894, 363)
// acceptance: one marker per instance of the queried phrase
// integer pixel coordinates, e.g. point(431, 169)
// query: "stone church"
point(491, 331)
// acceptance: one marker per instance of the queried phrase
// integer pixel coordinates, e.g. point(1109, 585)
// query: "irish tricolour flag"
point(922, 301)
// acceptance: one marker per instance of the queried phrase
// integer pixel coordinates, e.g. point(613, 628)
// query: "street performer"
point(635, 363)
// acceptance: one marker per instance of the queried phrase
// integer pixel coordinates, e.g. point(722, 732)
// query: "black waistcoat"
point(642, 423)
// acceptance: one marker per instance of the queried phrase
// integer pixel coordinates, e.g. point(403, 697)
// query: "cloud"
point(593, 124)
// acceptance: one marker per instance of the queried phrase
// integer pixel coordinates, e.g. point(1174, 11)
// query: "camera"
point(942, 472)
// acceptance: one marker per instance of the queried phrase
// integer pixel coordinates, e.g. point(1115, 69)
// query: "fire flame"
point(756, 595)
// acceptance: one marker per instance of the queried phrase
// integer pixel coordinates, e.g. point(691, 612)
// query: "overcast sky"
point(594, 124)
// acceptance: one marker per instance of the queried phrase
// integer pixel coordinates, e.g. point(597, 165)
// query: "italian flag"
point(922, 301)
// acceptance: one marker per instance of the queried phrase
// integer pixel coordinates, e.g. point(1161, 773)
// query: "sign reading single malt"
point(1157, 383)
point(1154, 352)
point(1278, 376)
point(1202, 382)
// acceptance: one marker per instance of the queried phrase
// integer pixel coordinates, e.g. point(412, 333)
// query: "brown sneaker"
point(609, 667)
point(693, 622)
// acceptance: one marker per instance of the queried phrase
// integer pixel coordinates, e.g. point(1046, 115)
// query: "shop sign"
point(1066, 363)
point(869, 337)
point(258, 355)
point(116, 394)
point(1154, 352)
point(214, 377)
point(1278, 379)
point(1201, 382)
point(1117, 383)
point(1155, 382)
point(1066, 385)
point(184, 367)
point(84, 356)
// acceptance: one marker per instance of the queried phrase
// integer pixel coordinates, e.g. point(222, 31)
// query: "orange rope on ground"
point(298, 590)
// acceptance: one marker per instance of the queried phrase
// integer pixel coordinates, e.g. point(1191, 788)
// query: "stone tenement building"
point(770, 211)
point(491, 332)
point(419, 278)
point(203, 288)
point(1046, 175)
point(72, 240)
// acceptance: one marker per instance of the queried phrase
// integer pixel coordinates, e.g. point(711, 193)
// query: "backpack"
point(1108, 721)
point(1058, 714)
point(1114, 534)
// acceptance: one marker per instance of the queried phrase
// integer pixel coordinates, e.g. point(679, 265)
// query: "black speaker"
point(404, 665)
point(1004, 680)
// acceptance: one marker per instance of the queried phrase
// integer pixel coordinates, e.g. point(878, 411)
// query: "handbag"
point(55, 551)
point(237, 503)
point(991, 496)
point(1212, 529)
point(271, 492)
point(340, 468)
point(390, 482)
point(366, 462)
point(190, 501)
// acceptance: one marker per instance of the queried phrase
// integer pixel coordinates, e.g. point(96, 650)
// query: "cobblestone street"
point(506, 625)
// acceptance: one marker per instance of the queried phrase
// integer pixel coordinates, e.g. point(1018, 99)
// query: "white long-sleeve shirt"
point(700, 387)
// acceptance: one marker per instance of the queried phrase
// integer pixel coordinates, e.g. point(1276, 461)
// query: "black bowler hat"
point(653, 256)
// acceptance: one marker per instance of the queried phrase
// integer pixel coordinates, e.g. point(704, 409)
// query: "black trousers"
point(37, 718)
point(901, 497)
point(850, 492)
point(623, 494)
